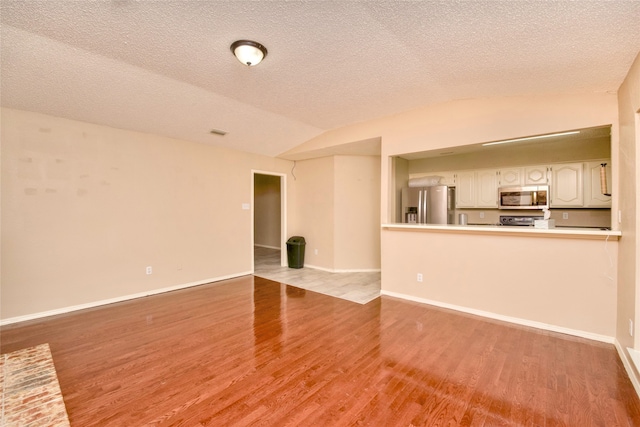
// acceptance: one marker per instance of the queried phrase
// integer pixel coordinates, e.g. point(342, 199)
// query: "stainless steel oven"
point(527, 197)
point(515, 220)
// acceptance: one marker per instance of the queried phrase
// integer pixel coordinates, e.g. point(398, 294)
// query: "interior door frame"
point(283, 215)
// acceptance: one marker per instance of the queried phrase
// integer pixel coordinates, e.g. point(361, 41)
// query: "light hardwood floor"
point(250, 351)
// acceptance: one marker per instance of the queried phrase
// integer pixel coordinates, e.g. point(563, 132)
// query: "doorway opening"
point(269, 228)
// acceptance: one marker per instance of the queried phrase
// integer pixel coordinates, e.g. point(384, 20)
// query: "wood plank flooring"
point(250, 351)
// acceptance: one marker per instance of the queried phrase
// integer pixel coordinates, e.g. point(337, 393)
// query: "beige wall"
point(629, 159)
point(86, 208)
point(338, 212)
point(266, 211)
point(474, 121)
point(357, 213)
point(399, 170)
point(561, 282)
point(313, 216)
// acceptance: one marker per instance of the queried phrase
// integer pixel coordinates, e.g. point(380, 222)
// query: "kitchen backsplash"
point(576, 217)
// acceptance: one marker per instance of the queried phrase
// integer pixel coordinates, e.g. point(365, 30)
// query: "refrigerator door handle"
point(419, 220)
point(424, 206)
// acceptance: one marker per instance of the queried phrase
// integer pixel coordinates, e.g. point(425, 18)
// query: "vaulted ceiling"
point(165, 67)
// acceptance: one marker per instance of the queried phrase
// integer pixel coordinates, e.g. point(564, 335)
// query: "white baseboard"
point(628, 364)
point(516, 320)
point(93, 304)
point(315, 267)
point(266, 246)
point(361, 270)
point(331, 270)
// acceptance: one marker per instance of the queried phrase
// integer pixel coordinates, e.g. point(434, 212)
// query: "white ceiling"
point(165, 66)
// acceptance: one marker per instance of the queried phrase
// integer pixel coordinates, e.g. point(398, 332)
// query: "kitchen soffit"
point(602, 133)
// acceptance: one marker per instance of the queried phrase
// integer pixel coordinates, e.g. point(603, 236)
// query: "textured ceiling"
point(165, 66)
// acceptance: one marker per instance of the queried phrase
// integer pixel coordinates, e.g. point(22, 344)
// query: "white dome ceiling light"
point(249, 52)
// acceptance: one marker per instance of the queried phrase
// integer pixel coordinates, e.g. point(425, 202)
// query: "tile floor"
point(356, 287)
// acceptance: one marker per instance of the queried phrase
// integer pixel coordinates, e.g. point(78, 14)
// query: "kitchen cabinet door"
point(593, 197)
point(511, 176)
point(534, 175)
point(448, 178)
point(465, 189)
point(566, 185)
point(487, 188)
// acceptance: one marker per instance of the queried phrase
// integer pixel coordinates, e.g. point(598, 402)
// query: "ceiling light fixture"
point(248, 52)
point(532, 137)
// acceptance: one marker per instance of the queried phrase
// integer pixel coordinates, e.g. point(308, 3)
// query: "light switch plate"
point(246, 206)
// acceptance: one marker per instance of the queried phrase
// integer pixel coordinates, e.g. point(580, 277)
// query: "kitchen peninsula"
point(560, 278)
point(559, 232)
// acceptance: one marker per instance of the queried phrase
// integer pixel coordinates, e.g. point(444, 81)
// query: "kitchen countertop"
point(562, 232)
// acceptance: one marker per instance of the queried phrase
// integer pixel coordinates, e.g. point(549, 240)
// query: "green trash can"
point(295, 251)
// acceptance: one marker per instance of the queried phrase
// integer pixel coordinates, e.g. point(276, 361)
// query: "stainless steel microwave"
point(527, 197)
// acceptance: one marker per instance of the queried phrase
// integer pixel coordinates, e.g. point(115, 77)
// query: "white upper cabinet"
point(477, 189)
point(566, 185)
point(573, 185)
point(510, 176)
point(534, 175)
point(448, 178)
point(487, 188)
point(593, 197)
point(465, 189)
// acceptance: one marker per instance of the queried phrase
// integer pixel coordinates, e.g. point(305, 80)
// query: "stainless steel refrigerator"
point(429, 205)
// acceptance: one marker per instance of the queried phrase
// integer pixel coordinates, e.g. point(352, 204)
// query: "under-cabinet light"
point(528, 138)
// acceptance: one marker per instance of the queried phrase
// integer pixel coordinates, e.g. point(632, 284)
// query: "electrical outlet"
point(149, 270)
point(630, 327)
point(565, 215)
point(315, 251)
point(481, 215)
point(419, 278)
